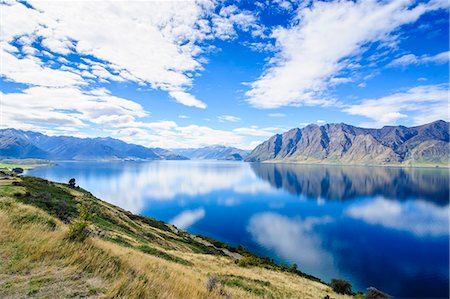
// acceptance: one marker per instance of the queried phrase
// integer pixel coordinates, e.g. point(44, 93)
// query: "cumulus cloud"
point(422, 104)
point(411, 59)
point(151, 43)
point(67, 106)
point(322, 43)
point(420, 218)
point(159, 49)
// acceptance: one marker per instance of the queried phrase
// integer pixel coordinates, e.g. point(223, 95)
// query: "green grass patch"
point(163, 255)
point(119, 240)
point(254, 286)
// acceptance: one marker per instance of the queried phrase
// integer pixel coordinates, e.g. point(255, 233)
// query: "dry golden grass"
point(37, 260)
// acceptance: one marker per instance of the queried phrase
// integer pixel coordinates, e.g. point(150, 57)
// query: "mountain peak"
point(347, 144)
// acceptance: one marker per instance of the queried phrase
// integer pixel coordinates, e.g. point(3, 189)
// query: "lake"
point(385, 227)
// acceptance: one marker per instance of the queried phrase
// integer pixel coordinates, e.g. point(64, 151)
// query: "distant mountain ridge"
point(27, 144)
point(219, 152)
point(345, 144)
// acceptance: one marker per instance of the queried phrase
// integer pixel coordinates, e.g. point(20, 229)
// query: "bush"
point(78, 231)
point(341, 286)
point(79, 228)
point(248, 261)
point(373, 293)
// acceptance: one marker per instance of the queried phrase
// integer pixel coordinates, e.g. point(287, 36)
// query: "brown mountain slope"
point(345, 144)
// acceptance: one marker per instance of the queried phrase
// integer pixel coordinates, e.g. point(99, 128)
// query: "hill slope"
point(125, 255)
point(340, 143)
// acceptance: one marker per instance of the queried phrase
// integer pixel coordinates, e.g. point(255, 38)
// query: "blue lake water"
point(385, 227)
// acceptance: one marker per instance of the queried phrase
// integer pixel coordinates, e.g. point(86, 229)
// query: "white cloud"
point(420, 218)
point(422, 104)
point(151, 43)
point(230, 118)
point(183, 116)
point(411, 59)
point(306, 65)
point(29, 70)
point(188, 218)
point(320, 121)
point(187, 99)
point(257, 131)
point(67, 106)
point(168, 134)
point(276, 115)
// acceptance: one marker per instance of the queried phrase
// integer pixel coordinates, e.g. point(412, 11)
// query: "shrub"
point(250, 260)
point(373, 293)
point(79, 228)
point(78, 231)
point(341, 286)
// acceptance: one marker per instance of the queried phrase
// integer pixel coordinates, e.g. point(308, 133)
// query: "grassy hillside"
point(58, 241)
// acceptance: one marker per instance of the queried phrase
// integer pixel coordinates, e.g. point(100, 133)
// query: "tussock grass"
point(125, 256)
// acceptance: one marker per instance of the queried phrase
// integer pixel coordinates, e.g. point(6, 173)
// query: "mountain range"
point(218, 152)
point(27, 144)
point(345, 144)
point(329, 144)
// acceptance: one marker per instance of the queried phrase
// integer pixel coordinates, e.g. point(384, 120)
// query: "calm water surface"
point(374, 226)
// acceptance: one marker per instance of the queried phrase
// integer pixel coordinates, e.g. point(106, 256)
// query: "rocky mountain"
point(217, 152)
point(345, 144)
point(27, 144)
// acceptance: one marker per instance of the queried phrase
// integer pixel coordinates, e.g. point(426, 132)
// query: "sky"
point(198, 73)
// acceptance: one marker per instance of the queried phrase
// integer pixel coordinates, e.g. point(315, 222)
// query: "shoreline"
point(28, 166)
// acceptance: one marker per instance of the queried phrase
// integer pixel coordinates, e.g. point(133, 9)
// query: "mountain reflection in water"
point(343, 183)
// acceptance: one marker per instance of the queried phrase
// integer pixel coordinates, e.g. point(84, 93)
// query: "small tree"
point(72, 183)
point(341, 286)
point(79, 228)
point(17, 170)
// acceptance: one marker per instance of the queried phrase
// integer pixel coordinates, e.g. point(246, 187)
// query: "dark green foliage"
point(17, 170)
point(341, 286)
point(373, 293)
point(47, 196)
point(72, 183)
point(163, 255)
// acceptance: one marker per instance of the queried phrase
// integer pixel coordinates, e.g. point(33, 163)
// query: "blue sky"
point(197, 73)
